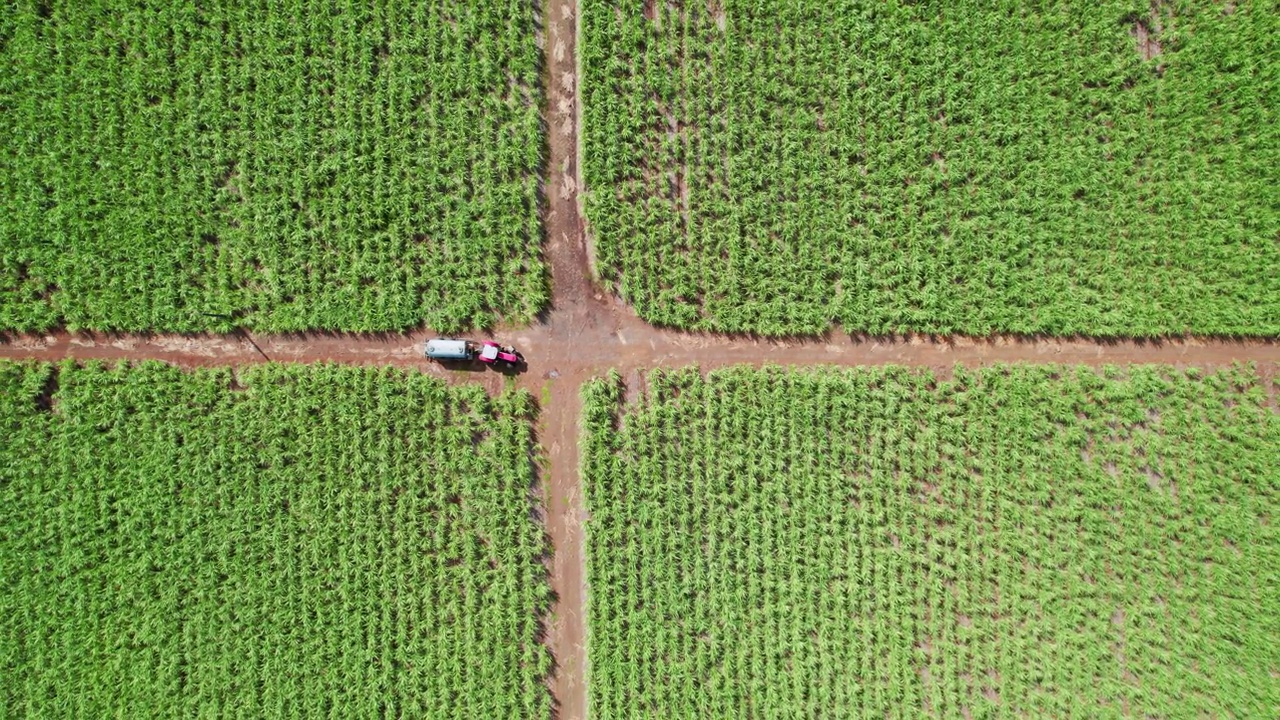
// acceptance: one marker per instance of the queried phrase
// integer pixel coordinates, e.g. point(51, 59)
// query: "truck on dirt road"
point(490, 353)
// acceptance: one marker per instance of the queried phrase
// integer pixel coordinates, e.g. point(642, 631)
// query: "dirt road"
point(573, 343)
point(586, 333)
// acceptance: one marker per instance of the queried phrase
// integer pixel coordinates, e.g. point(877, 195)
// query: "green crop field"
point(292, 542)
point(282, 166)
point(1019, 541)
point(945, 166)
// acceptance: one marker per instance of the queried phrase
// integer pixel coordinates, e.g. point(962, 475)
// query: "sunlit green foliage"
point(282, 166)
point(939, 166)
point(1018, 541)
point(297, 542)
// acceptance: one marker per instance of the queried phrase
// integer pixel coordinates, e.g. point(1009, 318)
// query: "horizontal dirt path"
point(571, 342)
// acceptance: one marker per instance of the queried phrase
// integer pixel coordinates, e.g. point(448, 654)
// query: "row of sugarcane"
point(303, 166)
point(882, 541)
point(893, 171)
point(288, 539)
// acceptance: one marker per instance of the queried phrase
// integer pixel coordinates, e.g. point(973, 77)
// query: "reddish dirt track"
point(591, 338)
point(587, 333)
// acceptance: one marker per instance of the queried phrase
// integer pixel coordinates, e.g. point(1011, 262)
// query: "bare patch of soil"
point(230, 180)
point(1147, 31)
point(715, 9)
point(1148, 44)
point(634, 388)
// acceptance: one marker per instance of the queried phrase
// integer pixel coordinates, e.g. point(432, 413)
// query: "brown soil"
point(1148, 45)
point(572, 343)
point(578, 316)
point(1147, 31)
point(586, 333)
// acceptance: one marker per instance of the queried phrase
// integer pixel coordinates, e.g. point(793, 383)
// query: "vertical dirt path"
point(577, 319)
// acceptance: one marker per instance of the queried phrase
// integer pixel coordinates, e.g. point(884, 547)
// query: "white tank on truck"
point(450, 349)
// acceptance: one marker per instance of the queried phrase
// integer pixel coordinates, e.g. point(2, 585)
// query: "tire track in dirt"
point(572, 344)
point(579, 316)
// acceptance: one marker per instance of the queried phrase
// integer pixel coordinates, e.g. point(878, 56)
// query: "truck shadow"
point(476, 366)
point(512, 370)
